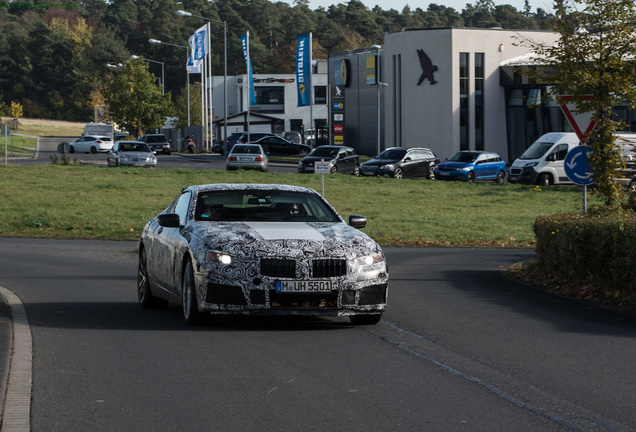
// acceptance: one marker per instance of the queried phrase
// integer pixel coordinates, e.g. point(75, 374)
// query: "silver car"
point(131, 153)
point(247, 156)
point(264, 249)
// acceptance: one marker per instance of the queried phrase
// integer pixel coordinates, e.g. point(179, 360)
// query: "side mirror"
point(169, 220)
point(551, 157)
point(358, 222)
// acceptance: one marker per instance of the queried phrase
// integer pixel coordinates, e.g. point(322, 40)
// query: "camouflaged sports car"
point(260, 249)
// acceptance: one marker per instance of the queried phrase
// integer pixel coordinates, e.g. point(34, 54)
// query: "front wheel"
point(431, 172)
point(470, 177)
point(94, 150)
point(71, 149)
point(370, 319)
point(544, 179)
point(191, 312)
point(334, 169)
point(632, 186)
point(398, 173)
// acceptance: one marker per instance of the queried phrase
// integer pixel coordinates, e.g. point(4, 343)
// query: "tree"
point(134, 100)
point(593, 61)
point(181, 106)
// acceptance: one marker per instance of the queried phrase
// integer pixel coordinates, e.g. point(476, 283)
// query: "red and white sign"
point(338, 128)
point(582, 123)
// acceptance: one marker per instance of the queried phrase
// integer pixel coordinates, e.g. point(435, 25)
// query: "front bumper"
point(524, 175)
point(255, 294)
point(161, 148)
point(450, 175)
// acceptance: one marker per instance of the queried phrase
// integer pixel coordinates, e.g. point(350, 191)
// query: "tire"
point(431, 172)
point(93, 150)
point(356, 171)
point(144, 292)
point(365, 319)
point(398, 173)
point(191, 312)
point(71, 149)
point(632, 186)
point(334, 170)
point(544, 180)
point(470, 177)
point(501, 176)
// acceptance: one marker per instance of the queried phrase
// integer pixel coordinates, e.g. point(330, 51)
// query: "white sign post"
point(323, 168)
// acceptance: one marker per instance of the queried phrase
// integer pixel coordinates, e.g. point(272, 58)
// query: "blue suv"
point(470, 166)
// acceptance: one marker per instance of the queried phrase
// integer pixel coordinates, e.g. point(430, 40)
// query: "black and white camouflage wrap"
point(247, 243)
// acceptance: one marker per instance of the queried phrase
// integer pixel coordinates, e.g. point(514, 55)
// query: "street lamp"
point(158, 42)
point(163, 82)
point(379, 85)
point(225, 113)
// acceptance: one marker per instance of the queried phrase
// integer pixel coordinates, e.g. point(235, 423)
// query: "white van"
point(542, 162)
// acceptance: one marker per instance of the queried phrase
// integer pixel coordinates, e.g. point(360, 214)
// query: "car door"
point(557, 158)
point(81, 144)
point(167, 247)
point(410, 164)
point(342, 162)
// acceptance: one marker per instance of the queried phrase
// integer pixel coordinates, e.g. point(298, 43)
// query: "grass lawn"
point(66, 201)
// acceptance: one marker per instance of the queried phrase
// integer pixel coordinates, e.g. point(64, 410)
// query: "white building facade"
point(445, 89)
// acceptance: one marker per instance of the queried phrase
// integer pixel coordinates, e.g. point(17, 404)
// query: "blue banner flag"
point(198, 49)
point(245, 43)
point(303, 70)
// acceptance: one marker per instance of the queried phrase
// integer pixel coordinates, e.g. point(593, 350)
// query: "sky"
point(458, 5)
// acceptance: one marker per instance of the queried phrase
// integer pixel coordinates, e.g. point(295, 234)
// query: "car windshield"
point(134, 147)
point(536, 150)
point(262, 206)
point(245, 149)
point(324, 151)
point(467, 157)
point(392, 154)
point(156, 138)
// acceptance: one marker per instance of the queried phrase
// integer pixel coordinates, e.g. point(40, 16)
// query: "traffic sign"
point(577, 120)
point(322, 167)
point(577, 166)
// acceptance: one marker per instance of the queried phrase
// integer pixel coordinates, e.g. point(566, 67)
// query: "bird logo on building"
point(427, 68)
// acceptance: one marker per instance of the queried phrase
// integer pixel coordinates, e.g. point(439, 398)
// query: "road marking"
point(17, 405)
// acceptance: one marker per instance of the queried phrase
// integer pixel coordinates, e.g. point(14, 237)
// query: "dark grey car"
point(342, 159)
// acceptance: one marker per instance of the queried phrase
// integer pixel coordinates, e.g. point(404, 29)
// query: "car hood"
point(454, 165)
point(380, 162)
point(281, 239)
point(136, 154)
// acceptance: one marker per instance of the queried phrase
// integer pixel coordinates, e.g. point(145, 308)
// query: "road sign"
point(322, 167)
point(577, 166)
point(578, 121)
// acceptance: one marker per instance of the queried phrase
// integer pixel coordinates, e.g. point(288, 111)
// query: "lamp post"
point(158, 42)
point(225, 113)
point(163, 82)
point(379, 85)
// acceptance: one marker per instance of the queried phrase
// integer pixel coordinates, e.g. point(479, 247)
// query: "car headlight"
point(300, 163)
point(531, 164)
point(386, 167)
point(219, 257)
point(367, 267)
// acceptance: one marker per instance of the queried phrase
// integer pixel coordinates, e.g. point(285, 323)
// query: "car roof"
point(130, 142)
point(248, 186)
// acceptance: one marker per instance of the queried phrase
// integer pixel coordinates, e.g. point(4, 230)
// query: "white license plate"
point(246, 159)
point(303, 286)
point(442, 173)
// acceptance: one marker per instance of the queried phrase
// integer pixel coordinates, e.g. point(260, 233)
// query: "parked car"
point(471, 166)
point(239, 137)
point(249, 156)
point(292, 136)
point(91, 144)
point(158, 143)
point(401, 162)
point(131, 153)
point(266, 249)
point(342, 160)
point(275, 145)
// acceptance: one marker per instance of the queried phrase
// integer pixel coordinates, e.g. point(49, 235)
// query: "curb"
point(17, 402)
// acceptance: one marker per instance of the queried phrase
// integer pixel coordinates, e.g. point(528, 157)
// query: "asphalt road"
point(48, 149)
point(461, 347)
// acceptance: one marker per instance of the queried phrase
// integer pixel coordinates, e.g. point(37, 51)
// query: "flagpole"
point(209, 92)
point(249, 83)
point(311, 92)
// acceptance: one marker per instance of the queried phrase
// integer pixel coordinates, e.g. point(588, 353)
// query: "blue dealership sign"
point(577, 166)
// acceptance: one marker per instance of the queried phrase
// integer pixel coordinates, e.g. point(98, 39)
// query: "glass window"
point(320, 95)
point(181, 208)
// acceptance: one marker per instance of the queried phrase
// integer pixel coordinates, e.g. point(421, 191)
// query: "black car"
point(275, 145)
point(158, 143)
point(342, 160)
point(401, 162)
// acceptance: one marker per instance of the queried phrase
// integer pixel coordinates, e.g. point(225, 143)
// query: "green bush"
point(596, 253)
